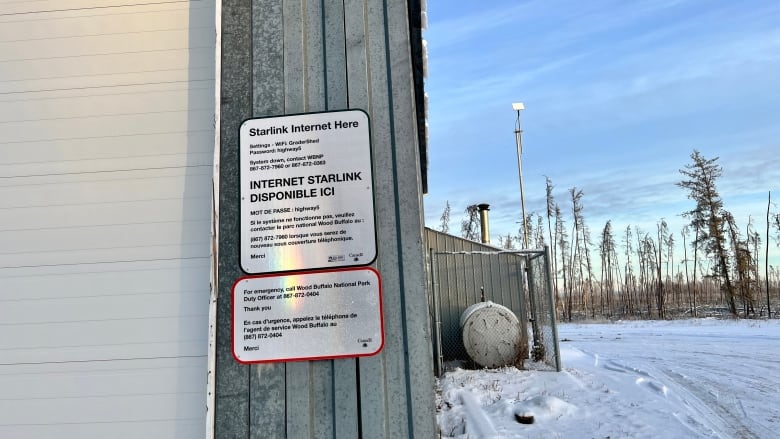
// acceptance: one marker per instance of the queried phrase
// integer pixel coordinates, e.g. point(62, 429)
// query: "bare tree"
point(608, 259)
point(581, 253)
point(507, 243)
point(560, 231)
point(774, 218)
point(752, 244)
point(766, 257)
point(551, 206)
point(660, 299)
point(695, 266)
point(744, 265)
point(469, 227)
point(586, 243)
point(646, 253)
point(445, 218)
point(577, 263)
point(630, 278)
point(530, 230)
point(539, 237)
point(691, 293)
point(673, 287)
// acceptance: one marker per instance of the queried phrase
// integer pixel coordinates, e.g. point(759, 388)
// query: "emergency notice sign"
point(307, 316)
point(307, 197)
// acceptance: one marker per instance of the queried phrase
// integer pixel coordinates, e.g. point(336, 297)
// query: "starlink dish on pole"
point(519, 106)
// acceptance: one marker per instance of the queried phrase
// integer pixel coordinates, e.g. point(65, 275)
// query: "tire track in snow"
point(700, 418)
point(710, 402)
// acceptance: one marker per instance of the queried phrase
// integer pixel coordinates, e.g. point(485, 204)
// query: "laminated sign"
point(307, 195)
point(307, 316)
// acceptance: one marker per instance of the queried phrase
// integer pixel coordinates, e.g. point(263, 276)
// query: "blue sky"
point(617, 96)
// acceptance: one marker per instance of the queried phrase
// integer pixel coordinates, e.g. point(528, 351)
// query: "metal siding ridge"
point(362, 65)
point(335, 58)
point(345, 414)
point(322, 381)
point(266, 393)
point(298, 379)
point(417, 359)
point(232, 380)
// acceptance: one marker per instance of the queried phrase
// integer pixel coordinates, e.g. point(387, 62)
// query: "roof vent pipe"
point(484, 227)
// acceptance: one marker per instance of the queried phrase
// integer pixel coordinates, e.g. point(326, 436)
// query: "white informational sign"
point(308, 316)
point(307, 196)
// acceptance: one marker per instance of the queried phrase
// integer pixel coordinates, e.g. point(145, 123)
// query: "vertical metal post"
point(438, 360)
point(537, 351)
point(551, 305)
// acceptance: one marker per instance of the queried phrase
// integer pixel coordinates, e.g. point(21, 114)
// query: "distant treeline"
point(717, 275)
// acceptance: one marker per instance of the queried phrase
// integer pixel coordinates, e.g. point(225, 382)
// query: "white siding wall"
point(106, 143)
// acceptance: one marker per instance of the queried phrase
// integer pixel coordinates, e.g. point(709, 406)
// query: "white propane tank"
point(491, 334)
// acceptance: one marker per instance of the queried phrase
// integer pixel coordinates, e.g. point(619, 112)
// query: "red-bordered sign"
point(312, 315)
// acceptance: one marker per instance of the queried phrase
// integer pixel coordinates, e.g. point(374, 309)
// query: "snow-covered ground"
point(634, 379)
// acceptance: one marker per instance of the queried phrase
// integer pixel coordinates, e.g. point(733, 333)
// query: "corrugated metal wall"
point(291, 56)
point(106, 146)
point(458, 269)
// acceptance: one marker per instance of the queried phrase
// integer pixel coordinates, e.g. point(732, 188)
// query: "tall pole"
point(766, 259)
point(519, 143)
point(538, 347)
